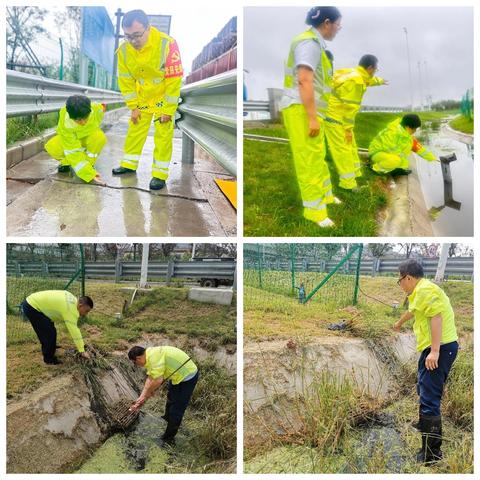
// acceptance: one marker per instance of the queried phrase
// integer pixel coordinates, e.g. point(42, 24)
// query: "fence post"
point(188, 150)
point(259, 266)
point(82, 266)
point(170, 270)
point(118, 270)
point(292, 260)
point(357, 277)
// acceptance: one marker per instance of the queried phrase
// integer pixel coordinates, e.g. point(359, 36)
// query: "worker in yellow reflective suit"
point(79, 139)
point(304, 103)
point(390, 149)
point(149, 75)
point(348, 88)
point(45, 308)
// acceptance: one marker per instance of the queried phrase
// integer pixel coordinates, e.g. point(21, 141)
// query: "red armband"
point(416, 145)
point(173, 64)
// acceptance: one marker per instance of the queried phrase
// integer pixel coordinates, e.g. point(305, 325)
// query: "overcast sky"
point(440, 36)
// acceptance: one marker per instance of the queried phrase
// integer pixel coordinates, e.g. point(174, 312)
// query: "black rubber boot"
point(53, 361)
point(400, 171)
point(63, 169)
point(122, 170)
point(431, 430)
point(157, 184)
point(168, 438)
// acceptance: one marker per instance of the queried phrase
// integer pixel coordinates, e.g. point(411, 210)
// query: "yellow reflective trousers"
point(344, 155)
point(82, 165)
point(312, 171)
point(384, 162)
point(136, 137)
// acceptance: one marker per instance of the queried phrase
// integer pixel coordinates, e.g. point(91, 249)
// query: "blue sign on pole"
point(98, 36)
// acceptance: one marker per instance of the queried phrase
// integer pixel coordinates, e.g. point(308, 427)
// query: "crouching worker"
point(42, 309)
point(390, 149)
point(172, 365)
point(436, 335)
point(79, 139)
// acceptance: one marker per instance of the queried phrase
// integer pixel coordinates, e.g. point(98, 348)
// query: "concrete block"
point(14, 156)
point(220, 296)
point(31, 147)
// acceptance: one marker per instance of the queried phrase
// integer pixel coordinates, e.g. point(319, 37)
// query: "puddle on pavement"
point(447, 221)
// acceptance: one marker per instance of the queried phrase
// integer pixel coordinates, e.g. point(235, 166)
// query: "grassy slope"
point(272, 199)
point(168, 311)
point(462, 124)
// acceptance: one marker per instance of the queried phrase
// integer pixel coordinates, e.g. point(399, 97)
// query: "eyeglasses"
point(135, 36)
point(400, 279)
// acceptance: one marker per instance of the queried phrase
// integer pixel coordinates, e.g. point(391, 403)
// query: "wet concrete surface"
point(63, 205)
point(448, 221)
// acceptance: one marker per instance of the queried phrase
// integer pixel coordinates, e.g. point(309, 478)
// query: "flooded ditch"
point(68, 424)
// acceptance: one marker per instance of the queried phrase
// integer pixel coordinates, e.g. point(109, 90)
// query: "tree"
point(378, 250)
point(23, 26)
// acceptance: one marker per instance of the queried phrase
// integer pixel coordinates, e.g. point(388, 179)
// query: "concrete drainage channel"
point(278, 375)
point(68, 424)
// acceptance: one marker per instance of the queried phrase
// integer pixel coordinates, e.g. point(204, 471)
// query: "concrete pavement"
point(62, 205)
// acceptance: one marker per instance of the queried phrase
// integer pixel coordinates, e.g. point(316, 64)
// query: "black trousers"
point(45, 330)
point(178, 398)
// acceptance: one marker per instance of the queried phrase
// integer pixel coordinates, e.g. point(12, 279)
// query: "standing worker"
point(390, 149)
point(436, 335)
point(149, 75)
point(79, 139)
point(44, 308)
point(304, 103)
point(166, 364)
point(349, 86)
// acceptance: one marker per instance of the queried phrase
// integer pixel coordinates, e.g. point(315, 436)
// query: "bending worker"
point(304, 103)
point(166, 364)
point(44, 308)
point(390, 149)
point(149, 76)
point(349, 86)
point(79, 139)
point(436, 335)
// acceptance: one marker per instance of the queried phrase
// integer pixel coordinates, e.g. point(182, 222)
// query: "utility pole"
point(442, 263)
point(409, 69)
point(420, 85)
point(427, 87)
point(144, 271)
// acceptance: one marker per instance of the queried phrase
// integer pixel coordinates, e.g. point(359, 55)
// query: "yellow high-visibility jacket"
point(71, 134)
point(150, 78)
point(59, 305)
point(349, 86)
point(163, 361)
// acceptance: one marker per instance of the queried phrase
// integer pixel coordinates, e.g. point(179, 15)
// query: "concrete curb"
point(457, 135)
point(26, 149)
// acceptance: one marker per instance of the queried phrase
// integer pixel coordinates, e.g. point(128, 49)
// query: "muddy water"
point(447, 221)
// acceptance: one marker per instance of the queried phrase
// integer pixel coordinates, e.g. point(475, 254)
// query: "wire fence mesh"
point(37, 267)
point(281, 276)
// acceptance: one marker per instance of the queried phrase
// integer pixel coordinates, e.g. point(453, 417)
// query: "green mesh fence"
point(35, 267)
point(280, 276)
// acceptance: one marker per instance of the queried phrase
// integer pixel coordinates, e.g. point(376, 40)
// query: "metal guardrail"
point(224, 270)
point(31, 94)
point(256, 106)
point(209, 118)
point(459, 266)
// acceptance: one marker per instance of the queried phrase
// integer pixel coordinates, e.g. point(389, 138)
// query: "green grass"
point(462, 124)
point(272, 202)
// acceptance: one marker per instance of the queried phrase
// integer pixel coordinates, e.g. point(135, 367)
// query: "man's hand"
point(164, 118)
point(313, 127)
point(431, 362)
point(348, 136)
point(85, 355)
point(140, 401)
point(98, 180)
point(136, 116)
point(397, 326)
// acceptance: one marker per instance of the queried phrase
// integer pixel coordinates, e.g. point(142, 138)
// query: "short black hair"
point(368, 61)
point(135, 352)
point(411, 120)
point(86, 300)
point(411, 267)
point(318, 15)
point(78, 107)
point(329, 55)
point(135, 16)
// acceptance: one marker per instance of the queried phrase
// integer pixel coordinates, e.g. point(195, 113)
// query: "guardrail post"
point(235, 278)
point(170, 270)
point(188, 150)
point(274, 95)
point(118, 270)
